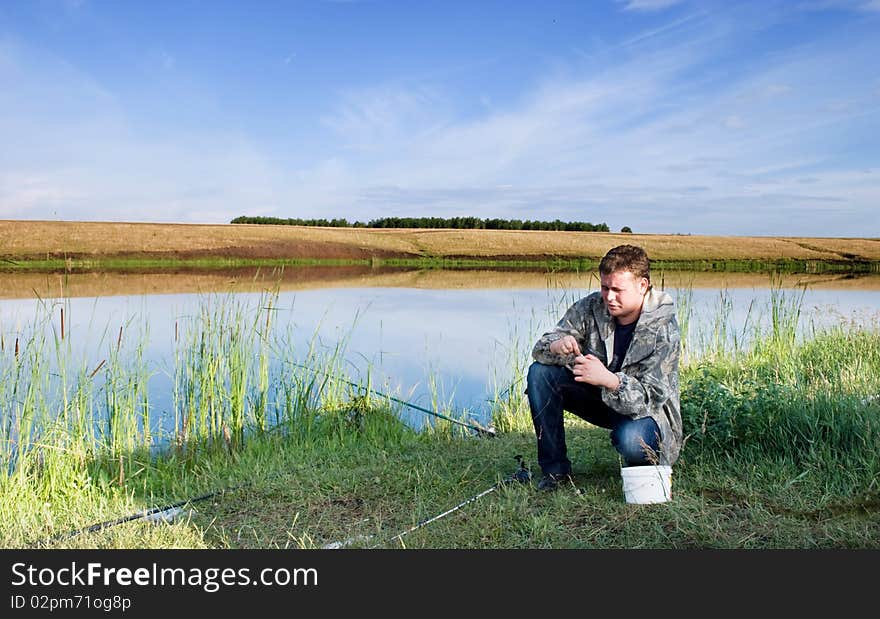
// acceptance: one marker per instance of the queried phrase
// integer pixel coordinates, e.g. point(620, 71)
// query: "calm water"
point(448, 338)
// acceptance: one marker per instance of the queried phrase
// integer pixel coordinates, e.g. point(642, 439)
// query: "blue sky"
point(742, 118)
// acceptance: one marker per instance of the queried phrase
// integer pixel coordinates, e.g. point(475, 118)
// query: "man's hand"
point(589, 369)
point(566, 345)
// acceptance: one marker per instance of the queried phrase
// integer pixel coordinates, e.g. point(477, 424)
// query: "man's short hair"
point(626, 258)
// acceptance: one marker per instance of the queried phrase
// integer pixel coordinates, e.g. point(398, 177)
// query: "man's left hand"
point(589, 369)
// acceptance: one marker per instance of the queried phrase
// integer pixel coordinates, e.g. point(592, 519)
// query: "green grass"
point(370, 490)
point(133, 264)
point(781, 451)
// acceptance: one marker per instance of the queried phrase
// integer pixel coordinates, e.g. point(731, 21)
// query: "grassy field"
point(781, 453)
point(97, 244)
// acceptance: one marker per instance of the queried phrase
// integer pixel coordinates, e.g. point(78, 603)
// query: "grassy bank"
point(177, 264)
point(781, 452)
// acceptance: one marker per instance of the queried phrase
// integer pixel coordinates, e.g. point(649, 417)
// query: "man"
point(611, 360)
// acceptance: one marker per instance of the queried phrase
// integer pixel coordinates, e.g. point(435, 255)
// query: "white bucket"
point(647, 484)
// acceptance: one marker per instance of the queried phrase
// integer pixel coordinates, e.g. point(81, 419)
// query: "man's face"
point(623, 294)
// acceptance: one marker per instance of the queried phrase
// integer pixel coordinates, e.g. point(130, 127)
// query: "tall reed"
point(77, 430)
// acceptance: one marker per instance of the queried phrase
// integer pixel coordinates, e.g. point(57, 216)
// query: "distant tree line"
point(455, 223)
point(280, 221)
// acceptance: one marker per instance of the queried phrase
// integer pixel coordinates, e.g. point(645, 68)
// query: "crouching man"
point(612, 360)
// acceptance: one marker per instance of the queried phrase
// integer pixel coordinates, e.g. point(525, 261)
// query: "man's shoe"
point(550, 482)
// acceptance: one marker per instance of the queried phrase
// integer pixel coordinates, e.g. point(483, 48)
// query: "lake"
point(444, 340)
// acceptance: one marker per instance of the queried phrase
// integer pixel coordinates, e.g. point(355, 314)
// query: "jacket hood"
point(658, 304)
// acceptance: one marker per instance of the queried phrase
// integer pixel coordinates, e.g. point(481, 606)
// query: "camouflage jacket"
point(649, 372)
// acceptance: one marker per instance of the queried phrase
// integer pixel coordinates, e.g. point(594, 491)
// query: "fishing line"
point(501, 395)
point(490, 431)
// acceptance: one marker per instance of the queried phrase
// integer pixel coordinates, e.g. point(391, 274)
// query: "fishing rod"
point(490, 431)
point(501, 395)
point(522, 476)
point(155, 514)
point(169, 511)
point(428, 521)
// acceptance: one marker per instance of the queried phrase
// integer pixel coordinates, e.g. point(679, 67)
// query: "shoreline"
point(176, 264)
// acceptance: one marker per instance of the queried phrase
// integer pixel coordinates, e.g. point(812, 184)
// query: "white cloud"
point(735, 122)
point(841, 5)
point(381, 116)
point(73, 153)
point(22, 194)
point(648, 5)
point(775, 90)
point(632, 143)
point(606, 147)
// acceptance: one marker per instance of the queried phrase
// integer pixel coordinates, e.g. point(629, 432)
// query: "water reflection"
point(447, 338)
point(252, 279)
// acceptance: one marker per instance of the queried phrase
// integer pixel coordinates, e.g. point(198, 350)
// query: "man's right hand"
point(566, 345)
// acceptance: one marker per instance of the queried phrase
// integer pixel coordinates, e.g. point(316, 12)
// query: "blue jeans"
point(552, 389)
